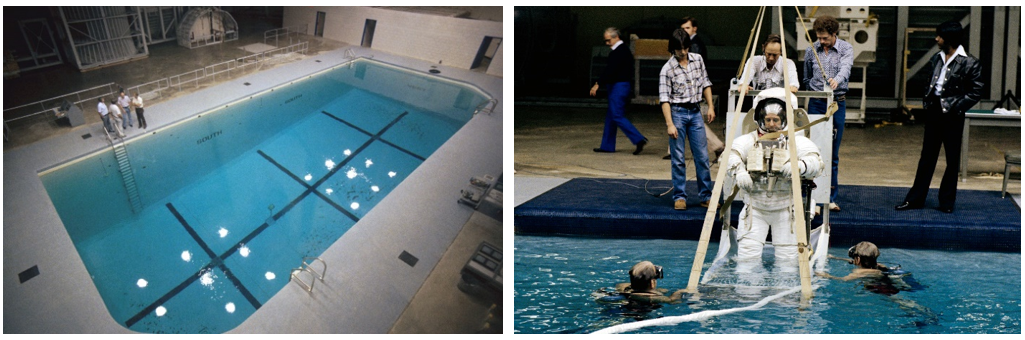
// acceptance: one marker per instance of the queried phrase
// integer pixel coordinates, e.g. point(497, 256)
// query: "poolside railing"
point(486, 107)
point(279, 34)
point(35, 113)
point(48, 105)
point(307, 267)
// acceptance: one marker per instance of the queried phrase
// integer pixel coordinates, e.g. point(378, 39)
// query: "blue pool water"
point(236, 197)
point(954, 292)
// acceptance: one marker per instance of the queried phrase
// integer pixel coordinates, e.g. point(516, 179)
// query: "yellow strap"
point(726, 205)
point(747, 48)
point(812, 43)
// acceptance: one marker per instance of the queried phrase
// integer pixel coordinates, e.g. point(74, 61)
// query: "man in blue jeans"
point(681, 83)
point(837, 57)
point(617, 77)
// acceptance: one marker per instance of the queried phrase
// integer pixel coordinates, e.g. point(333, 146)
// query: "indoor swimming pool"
point(234, 198)
point(946, 292)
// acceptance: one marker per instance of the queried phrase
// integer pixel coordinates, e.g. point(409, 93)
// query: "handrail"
point(285, 31)
point(486, 107)
point(306, 267)
point(57, 99)
point(175, 81)
point(316, 259)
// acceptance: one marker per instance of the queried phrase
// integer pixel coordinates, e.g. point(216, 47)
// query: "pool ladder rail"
point(124, 166)
point(486, 107)
point(307, 267)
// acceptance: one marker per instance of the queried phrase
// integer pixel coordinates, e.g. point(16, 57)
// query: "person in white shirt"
point(115, 115)
point(101, 107)
point(765, 72)
point(126, 103)
point(138, 105)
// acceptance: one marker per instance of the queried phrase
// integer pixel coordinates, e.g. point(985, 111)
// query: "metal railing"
point(47, 105)
point(307, 267)
point(153, 89)
point(486, 107)
point(279, 34)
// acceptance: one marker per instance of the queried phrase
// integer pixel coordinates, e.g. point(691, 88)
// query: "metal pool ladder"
point(350, 55)
point(125, 167)
point(486, 107)
point(307, 268)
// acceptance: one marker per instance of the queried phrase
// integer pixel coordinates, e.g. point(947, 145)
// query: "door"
point(318, 28)
point(485, 53)
point(368, 32)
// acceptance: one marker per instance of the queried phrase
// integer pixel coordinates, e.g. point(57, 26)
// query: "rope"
point(747, 48)
point(673, 320)
point(812, 43)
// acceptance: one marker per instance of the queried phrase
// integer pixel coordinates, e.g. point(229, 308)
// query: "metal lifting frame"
point(804, 252)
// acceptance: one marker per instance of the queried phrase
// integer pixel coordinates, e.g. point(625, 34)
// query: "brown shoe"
point(705, 203)
point(680, 205)
point(833, 207)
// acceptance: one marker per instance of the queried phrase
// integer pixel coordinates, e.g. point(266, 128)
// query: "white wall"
point(495, 68)
point(453, 41)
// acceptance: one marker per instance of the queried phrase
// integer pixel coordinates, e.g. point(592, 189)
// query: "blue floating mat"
point(627, 208)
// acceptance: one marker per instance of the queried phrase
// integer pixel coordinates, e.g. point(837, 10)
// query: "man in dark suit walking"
point(617, 77)
point(690, 25)
point(955, 86)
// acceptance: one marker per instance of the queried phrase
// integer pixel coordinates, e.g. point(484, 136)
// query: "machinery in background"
point(484, 194)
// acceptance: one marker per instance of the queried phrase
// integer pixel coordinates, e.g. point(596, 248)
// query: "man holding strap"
point(836, 57)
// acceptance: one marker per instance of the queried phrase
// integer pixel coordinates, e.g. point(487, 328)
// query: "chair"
point(1010, 158)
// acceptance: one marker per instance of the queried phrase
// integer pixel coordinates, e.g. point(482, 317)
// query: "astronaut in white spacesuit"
point(761, 169)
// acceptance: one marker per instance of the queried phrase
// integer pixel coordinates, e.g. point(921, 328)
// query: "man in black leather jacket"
point(955, 86)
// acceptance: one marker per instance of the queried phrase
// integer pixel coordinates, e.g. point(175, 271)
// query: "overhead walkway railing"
point(46, 111)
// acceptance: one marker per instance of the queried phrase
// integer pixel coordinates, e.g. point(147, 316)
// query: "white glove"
point(786, 169)
point(744, 180)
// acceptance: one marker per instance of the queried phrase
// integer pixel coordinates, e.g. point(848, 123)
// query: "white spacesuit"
point(761, 169)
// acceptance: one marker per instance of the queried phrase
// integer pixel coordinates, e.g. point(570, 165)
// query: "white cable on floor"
point(672, 320)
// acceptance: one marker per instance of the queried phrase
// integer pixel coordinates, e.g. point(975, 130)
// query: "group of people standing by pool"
point(954, 87)
point(117, 115)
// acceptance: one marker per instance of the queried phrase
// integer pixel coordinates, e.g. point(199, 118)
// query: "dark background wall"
point(555, 45)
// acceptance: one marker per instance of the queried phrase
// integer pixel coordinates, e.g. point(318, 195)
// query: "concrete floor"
point(165, 60)
point(556, 142)
point(438, 292)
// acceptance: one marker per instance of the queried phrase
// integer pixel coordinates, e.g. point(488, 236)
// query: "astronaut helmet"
point(771, 106)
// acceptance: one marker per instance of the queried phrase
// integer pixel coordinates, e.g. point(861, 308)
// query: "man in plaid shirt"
point(837, 57)
point(681, 84)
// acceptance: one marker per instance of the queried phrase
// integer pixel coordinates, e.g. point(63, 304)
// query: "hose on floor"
point(673, 320)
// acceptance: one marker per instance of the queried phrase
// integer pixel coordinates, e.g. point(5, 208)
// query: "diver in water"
point(880, 279)
point(863, 255)
point(643, 287)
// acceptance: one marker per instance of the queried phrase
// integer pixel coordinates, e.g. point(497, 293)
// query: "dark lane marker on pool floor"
point(218, 261)
point(421, 158)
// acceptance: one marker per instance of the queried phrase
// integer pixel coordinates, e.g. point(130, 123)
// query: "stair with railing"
point(124, 166)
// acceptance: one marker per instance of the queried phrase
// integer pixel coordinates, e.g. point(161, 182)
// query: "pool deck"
point(554, 144)
point(367, 287)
